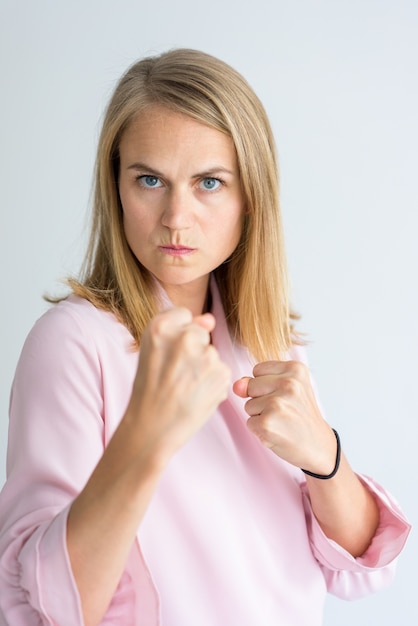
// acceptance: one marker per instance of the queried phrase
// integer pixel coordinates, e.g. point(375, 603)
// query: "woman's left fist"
point(285, 416)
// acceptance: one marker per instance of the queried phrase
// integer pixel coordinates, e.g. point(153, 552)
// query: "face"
point(182, 200)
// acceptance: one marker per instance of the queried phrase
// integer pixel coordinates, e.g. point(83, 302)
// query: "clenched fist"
point(180, 379)
point(285, 416)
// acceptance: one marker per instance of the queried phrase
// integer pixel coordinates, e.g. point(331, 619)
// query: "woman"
point(166, 488)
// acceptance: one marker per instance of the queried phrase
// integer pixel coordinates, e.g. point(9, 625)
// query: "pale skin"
point(178, 182)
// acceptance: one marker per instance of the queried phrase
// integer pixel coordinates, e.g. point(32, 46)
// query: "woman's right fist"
point(180, 379)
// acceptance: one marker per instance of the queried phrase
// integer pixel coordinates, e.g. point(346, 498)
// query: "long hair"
point(253, 282)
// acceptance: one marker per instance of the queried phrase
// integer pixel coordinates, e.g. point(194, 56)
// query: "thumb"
point(240, 387)
point(206, 320)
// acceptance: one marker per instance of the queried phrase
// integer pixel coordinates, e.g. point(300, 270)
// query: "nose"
point(178, 209)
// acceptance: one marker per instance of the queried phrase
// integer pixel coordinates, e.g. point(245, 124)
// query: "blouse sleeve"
point(56, 437)
point(55, 440)
point(348, 577)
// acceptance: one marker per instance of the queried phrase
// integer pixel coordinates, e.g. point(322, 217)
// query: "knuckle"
point(265, 424)
point(166, 321)
point(262, 368)
point(187, 341)
point(296, 369)
point(289, 386)
point(157, 325)
point(212, 354)
point(275, 405)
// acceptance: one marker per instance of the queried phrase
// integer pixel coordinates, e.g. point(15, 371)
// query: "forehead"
point(158, 126)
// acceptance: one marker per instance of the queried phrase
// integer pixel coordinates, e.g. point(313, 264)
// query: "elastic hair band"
point(337, 462)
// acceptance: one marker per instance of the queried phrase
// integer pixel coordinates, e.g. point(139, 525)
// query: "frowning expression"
point(181, 197)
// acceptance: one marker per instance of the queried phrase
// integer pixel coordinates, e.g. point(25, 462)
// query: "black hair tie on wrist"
point(337, 462)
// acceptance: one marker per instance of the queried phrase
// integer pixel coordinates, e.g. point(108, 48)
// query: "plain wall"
point(339, 81)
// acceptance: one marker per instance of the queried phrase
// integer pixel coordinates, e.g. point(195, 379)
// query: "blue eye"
point(149, 181)
point(211, 184)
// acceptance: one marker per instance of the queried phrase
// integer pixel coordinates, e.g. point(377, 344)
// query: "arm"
point(179, 383)
point(284, 414)
point(345, 509)
point(61, 532)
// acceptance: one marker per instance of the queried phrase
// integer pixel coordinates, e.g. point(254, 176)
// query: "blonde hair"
point(253, 282)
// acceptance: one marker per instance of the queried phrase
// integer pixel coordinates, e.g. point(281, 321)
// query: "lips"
point(175, 250)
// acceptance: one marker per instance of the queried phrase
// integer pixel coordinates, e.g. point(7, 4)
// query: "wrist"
point(336, 465)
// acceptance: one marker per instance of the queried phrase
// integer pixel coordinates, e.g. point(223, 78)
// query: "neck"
point(195, 297)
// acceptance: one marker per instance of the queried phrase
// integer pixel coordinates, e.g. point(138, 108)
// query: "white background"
point(339, 80)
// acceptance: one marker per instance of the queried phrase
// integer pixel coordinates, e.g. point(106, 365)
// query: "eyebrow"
point(208, 173)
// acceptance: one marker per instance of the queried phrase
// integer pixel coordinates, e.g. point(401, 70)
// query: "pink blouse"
point(229, 537)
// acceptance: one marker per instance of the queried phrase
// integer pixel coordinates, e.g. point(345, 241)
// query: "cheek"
point(229, 233)
point(134, 214)
point(238, 223)
point(133, 226)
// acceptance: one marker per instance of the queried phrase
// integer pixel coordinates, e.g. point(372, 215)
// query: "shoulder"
point(76, 315)
point(74, 327)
